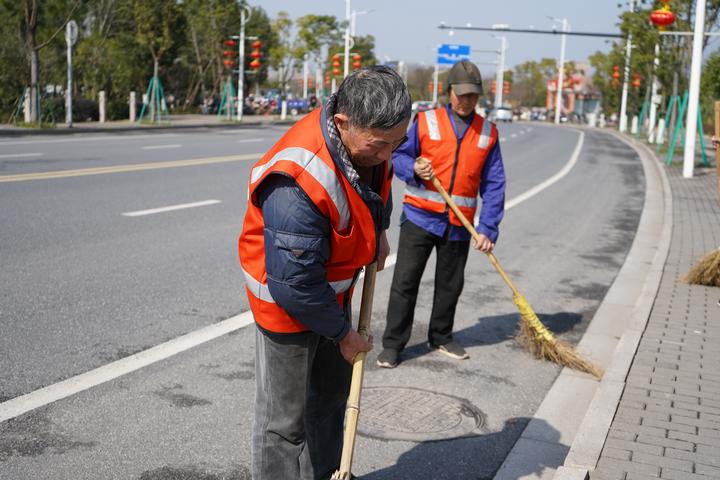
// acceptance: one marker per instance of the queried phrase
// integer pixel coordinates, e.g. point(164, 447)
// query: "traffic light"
point(336, 64)
point(256, 54)
point(229, 53)
point(356, 61)
point(506, 88)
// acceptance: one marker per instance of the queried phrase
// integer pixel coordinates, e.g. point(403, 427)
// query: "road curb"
point(577, 406)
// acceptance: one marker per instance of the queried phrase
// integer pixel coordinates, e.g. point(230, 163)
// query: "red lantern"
point(256, 44)
point(356, 61)
point(255, 64)
point(336, 71)
point(228, 63)
point(255, 54)
point(230, 43)
point(229, 53)
point(663, 17)
point(616, 73)
point(636, 81)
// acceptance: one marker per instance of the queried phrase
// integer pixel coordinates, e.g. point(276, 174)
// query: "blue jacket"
point(492, 190)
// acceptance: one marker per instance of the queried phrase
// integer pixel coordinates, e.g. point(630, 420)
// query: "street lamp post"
point(626, 77)
point(694, 95)
point(245, 14)
point(561, 68)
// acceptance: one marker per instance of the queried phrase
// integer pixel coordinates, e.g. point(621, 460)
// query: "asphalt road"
point(84, 284)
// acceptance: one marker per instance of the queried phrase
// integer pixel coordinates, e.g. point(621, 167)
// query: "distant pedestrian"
point(319, 205)
point(462, 150)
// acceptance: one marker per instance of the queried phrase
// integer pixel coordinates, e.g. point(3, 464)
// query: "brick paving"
point(667, 424)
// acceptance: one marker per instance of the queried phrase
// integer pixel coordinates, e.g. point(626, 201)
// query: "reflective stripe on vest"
point(432, 125)
point(485, 134)
point(469, 202)
point(319, 170)
point(261, 290)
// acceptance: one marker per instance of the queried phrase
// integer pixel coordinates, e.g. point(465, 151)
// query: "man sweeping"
point(462, 150)
point(319, 205)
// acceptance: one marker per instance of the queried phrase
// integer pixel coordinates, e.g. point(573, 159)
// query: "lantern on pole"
point(663, 17)
point(336, 64)
point(636, 81)
point(357, 61)
point(256, 54)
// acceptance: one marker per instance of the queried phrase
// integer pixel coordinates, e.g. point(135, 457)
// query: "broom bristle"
point(706, 271)
point(542, 344)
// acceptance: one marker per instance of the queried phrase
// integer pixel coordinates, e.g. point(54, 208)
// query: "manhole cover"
point(403, 413)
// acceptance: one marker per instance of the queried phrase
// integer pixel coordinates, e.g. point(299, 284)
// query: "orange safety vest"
point(303, 155)
point(458, 165)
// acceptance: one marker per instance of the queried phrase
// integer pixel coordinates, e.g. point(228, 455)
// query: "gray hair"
point(374, 97)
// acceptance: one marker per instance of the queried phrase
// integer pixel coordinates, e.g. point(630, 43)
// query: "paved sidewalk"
point(667, 423)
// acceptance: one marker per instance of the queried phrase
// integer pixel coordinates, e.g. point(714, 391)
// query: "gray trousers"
point(301, 388)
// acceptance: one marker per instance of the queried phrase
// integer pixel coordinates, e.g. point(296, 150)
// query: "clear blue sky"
point(407, 30)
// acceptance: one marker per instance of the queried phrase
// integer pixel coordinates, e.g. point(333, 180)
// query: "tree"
point(41, 26)
point(531, 80)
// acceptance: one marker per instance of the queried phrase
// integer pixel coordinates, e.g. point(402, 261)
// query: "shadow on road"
point(477, 458)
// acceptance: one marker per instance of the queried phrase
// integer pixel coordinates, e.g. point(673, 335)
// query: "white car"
point(502, 114)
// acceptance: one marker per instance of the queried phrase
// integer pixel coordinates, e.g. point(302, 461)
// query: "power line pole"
point(694, 96)
point(626, 76)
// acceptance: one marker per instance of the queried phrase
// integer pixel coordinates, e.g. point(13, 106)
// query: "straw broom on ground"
point(533, 334)
point(707, 270)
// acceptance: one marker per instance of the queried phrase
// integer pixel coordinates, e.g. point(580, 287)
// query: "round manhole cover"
point(403, 413)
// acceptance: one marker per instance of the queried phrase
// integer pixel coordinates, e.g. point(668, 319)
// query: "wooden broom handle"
point(468, 226)
point(352, 411)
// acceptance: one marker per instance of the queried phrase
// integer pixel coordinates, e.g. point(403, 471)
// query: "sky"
point(407, 29)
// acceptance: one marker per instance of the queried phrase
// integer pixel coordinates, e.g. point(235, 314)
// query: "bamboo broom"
point(352, 411)
point(533, 334)
point(707, 270)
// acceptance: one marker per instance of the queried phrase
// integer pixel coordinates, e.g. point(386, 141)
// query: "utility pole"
point(626, 77)
point(347, 39)
point(694, 96)
point(71, 31)
point(654, 97)
point(245, 14)
point(500, 72)
point(561, 69)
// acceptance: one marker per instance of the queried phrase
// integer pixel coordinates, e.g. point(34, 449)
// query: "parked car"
point(422, 106)
point(501, 114)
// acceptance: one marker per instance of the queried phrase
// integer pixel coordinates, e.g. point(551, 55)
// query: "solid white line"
point(15, 155)
point(155, 147)
point(170, 208)
point(52, 393)
point(88, 139)
point(19, 405)
point(250, 140)
point(539, 188)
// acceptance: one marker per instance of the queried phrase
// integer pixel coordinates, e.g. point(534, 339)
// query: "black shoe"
point(451, 349)
point(388, 358)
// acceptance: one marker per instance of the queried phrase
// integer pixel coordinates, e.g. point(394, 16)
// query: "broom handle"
point(468, 226)
point(717, 135)
point(352, 411)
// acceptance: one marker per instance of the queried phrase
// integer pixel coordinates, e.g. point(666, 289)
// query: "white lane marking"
point(19, 405)
point(52, 393)
point(140, 213)
point(157, 147)
point(250, 140)
point(502, 139)
point(16, 155)
point(240, 131)
point(513, 135)
point(89, 139)
point(564, 171)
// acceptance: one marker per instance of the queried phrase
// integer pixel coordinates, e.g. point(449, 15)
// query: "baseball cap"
point(464, 78)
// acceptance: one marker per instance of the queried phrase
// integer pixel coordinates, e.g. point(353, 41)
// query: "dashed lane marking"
point(170, 208)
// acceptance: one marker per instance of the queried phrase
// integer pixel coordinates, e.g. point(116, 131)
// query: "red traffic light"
point(230, 43)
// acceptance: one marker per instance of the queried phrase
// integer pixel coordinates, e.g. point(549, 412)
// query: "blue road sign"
point(449, 54)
